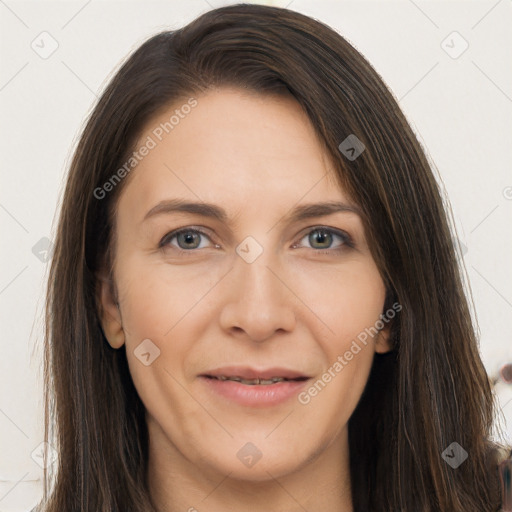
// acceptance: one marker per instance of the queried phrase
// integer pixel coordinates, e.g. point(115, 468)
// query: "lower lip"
point(258, 395)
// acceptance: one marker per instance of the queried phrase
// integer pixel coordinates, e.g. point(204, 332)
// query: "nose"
point(260, 301)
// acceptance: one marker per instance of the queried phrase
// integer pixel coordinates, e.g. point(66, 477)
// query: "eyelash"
point(346, 239)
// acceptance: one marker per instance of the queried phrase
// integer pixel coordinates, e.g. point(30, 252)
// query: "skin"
point(296, 306)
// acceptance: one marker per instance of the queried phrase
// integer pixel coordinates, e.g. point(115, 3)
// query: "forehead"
point(232, 147)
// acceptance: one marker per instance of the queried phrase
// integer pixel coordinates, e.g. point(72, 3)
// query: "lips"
point(252, 387)
point(252, 376)
point(255, 382)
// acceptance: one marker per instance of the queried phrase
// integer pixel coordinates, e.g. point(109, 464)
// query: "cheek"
point(349, 305)
point(334, 395)
point(158, 336)
point(162, 318)
point(337, 305)
point(346, 300)
point(156, 296)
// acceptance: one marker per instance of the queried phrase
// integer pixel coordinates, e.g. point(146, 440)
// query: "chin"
point(247, 464)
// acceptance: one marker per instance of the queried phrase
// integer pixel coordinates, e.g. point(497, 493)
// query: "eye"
point(321, 238)
point(186, 238)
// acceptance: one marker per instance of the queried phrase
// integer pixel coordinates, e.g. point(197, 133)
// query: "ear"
point(382, 340)
point(108, 311)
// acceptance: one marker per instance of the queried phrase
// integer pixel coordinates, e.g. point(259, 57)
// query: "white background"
point(459, 107)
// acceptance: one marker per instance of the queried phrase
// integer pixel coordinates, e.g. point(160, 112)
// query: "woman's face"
point(260, 291)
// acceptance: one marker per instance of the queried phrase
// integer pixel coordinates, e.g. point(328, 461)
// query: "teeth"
point(252, 382)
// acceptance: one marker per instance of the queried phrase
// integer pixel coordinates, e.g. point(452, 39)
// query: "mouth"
point(255, 388)
point(257, 381)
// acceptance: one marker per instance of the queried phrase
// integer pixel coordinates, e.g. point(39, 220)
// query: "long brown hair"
point(429, 391)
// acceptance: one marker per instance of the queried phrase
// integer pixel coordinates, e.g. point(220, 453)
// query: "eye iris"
point(320, 236)
point(188, 236)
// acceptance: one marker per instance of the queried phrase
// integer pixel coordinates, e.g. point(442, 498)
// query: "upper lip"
point(245, 372)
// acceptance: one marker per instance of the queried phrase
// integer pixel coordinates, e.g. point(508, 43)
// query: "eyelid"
point(347, 239)
point(171, 234)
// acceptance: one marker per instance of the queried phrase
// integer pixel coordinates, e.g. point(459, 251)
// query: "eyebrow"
point(299, 213)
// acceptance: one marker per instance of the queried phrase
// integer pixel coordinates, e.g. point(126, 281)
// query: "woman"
point(257, 370)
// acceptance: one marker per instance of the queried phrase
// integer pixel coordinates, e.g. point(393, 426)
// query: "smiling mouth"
point(256, 381)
